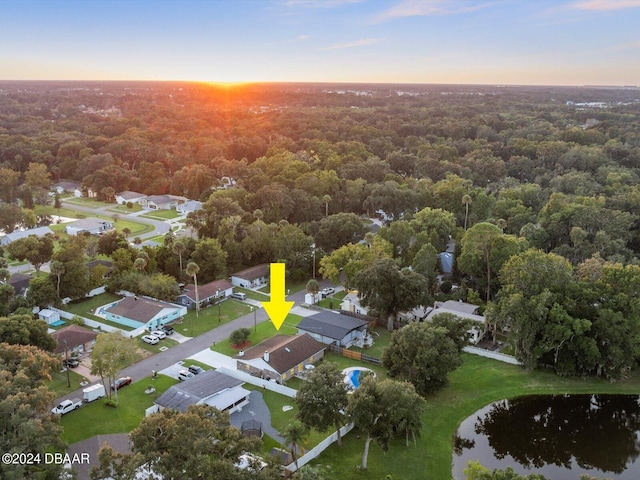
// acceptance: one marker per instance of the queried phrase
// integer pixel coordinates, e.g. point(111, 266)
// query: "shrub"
point(240, 336)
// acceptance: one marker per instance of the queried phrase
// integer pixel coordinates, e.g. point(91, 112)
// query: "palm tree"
point(192, 271)
point(326, 199)
point(313, 287)
point(294, 434)
point(466, 199)
point(178, 248)
point(57, 269)
point(140, 264)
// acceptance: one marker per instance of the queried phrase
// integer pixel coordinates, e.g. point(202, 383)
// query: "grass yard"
point(58, 383)
point(264, 330)
point(165, 342)
point(382, 339)
point(193, 326)
point(87, 202)
point(161, 215)
point(96, 418)
point(290, 287)
point(252, 294)
point(333, 301)
point(86, 309)
point(478, 382)
point(123, 209)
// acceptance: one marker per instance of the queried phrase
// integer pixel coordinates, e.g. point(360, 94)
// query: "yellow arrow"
point(278, 307)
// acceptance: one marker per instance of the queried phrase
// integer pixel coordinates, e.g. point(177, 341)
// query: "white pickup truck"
point(66, 406)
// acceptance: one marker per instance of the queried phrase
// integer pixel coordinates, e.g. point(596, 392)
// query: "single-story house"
point(48, 316)
point(351, 303)
point(17, 234)
point(94, 226)
point(108, 266)
point(127, 196)
point(74, 340)
point(206, 293)
point(68, 186)
point(251, 277)
point(462, 310)
point(280, 357)
point(210, 388)
point(138, 311)
point(333, 328)
point(188, 207)
point(159, 202)
point(20, 283)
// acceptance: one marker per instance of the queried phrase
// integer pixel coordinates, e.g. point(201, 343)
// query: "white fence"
point(318, 449)
point(245, 377)
point(494, 355)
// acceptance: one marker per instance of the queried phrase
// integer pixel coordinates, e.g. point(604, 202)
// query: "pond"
point(558, 436)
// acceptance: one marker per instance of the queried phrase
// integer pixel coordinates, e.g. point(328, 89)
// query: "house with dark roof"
point(127, 196)
point(251, 277)
point(159, 202)
point(17, 234)
point(68, 186)
point(93, 226)
point(333, 328)
point(207, 293)
point(281, 357)
point(209, 388)
point(74, 340)
point(20, 283)
point(143, 311)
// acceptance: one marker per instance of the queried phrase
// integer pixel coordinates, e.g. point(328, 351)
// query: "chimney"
point(266, 356)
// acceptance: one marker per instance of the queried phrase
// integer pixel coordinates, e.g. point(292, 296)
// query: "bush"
point(240, 336)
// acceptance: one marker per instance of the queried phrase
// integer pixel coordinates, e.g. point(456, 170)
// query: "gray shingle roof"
point(332, 325)
point(190, 392)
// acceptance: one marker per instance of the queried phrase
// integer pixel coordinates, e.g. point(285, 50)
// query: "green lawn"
point(87, 202)
point(165, 342)
point(86, 309)
point(253, 295)
point(382, 338)
point(58, 383)
point(476, 383)
point(123, 209)
point(161, 215)
point(290, 287)
point(96, 418)
point(193, 326)
point(263, 331)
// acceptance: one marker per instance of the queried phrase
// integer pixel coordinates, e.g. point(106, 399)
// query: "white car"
point(159, 333)
point(150, 339)
point(185, 375)
point(327, 291)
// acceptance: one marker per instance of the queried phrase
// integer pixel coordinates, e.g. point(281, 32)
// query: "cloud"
point(601, 5)
point(358, 43)
point(423, 8)
point(318, 3)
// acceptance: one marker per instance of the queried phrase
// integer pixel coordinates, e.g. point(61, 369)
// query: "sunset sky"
point(558, 42)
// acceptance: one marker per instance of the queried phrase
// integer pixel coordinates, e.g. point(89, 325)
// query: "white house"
point(94, 226)
point(188, 207)
point(351, 303)
point(128, 196)
point(462, 310)
point(251, 277)
point(159, 202)
point(209, 388)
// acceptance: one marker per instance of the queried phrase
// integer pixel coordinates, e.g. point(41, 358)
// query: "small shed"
point(49, 316)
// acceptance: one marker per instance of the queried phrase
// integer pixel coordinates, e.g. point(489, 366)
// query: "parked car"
point(66, 406)
point(185, 375)
point(159, 333)
point(121, 382)
point(196, 369)
point(150, 339)
point(239, 295)
point(167, 329)
point(327, 291)
point(71, 363)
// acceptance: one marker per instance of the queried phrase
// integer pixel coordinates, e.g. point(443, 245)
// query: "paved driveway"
point(257, 410)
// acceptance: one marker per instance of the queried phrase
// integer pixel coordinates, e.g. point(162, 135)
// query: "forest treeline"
point(546, 175)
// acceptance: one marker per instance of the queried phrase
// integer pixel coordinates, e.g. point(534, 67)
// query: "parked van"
point(93, 392)
point(239, 295)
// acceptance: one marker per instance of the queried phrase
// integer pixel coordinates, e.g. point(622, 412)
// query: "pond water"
point(558, 436)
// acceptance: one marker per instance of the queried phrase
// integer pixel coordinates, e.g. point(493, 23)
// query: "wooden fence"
point(354, 355)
